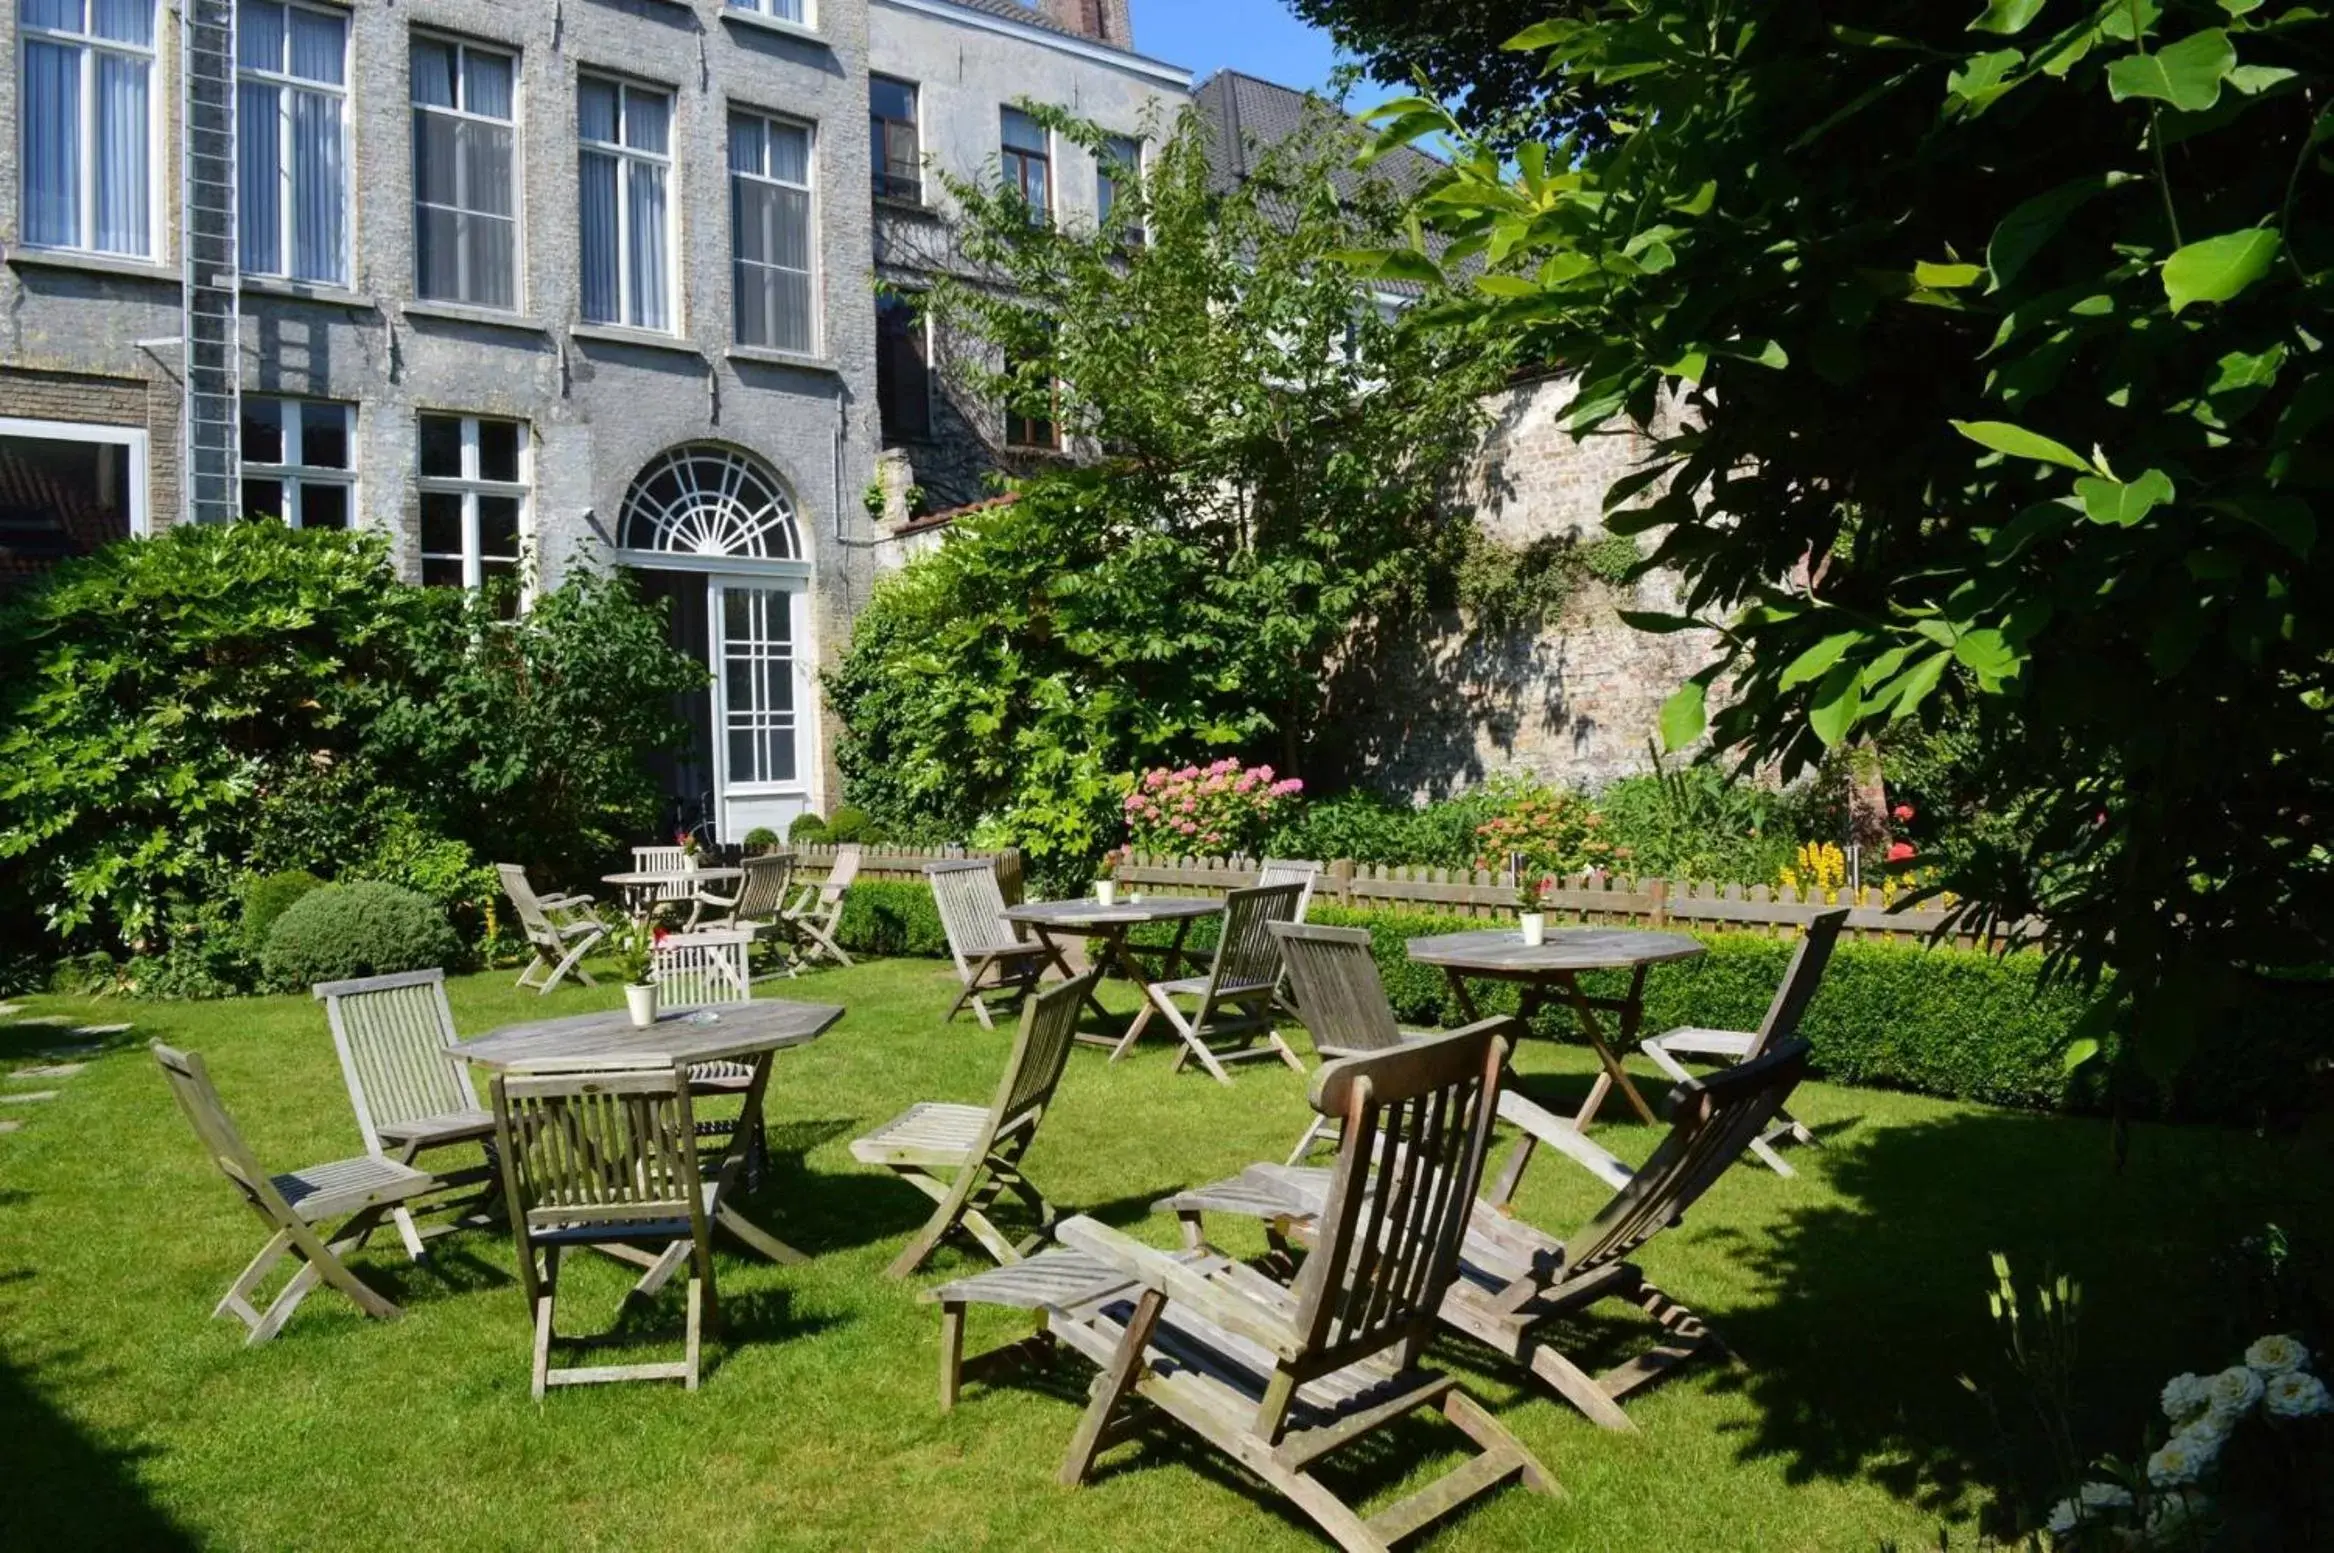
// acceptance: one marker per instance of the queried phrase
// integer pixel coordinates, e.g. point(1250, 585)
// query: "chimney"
point(1106, 21)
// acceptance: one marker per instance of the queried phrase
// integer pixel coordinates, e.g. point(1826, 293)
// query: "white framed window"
point(299, 461)
point(465, 174)
point(625, 165)
point(475, 479)
point(88, 146)
point(796, 11)
point(1028, 162)
point(773, 236)
point(291, 128)
point(67, 487)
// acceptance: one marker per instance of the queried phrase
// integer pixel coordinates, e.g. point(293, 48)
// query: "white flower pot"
point(1106, 891)
point(1535, 926)
point(640, 1002)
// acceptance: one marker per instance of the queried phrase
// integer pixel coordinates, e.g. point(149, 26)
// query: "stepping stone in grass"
point(10, 1010)
point(34, 1098)
point(53, 1070)
point(49, 1019)
point(6, 1126)
point(68, 1053)
point(96, 1029)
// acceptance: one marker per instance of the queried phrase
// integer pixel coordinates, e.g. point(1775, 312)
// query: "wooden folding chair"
point(818, 914)
point(983, 1147)
point(991, 955)
point(1279, 1376)
point(411, 1093)
point(1232, 1008)
point(1519, 1289)
point(1800, 983)
point(760, 901)
point(293, 1206)
point(560, 930)
point(664, 860)
point(1289, 870)
point(604, 1154)
point(710, 969)
point(1341, 1001)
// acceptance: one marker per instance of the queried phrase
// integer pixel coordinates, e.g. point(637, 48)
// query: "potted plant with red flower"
point(634, 947)
point(1530, 901)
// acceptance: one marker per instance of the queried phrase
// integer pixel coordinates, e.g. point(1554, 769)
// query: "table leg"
point(1135, 973)
point(1103, 949)
point(733, 1164)
point(1178, 962)
point(1511, 1169)
point(1460, 994)
point(1614, 1075)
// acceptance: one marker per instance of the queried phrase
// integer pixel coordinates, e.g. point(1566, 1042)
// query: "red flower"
point(660, 935)
point(1900, 852)
point(1904, 814)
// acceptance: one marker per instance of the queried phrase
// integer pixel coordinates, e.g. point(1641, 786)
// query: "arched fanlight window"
point(709, 500)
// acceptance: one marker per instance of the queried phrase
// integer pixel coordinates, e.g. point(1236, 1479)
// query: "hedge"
point(1949, 1022)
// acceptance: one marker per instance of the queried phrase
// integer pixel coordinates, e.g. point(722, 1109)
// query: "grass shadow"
point(67, 1487)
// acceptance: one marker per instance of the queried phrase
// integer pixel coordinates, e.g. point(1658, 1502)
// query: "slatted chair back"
point(703, 970)
point(608, 1143)
point(1291, 870)
point(190, 1085)
point(1247, 955)
point(1801, 981)
point(1041, 1049)
point(529, 906)
point(664, 860)
point(841, 877)
point(392, 1034)
point(1339, 994)
point(761, 895)
point(1712, 1120)
point(971, 906)
point(1416, 1124)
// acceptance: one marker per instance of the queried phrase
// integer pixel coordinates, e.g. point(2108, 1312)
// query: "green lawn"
point(1855, 1294)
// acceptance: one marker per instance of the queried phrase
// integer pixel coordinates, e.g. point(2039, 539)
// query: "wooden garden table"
point(739, 1032)
point(641, 888)
point(1107, 927)
point(1551, 971)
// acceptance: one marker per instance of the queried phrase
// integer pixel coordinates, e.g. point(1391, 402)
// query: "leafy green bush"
point(848, 824)
point(892, 917)
point(761, 836)
point(346, 930)
point(267, 897)
point(807, 830)
point(1697, 822)
point(1370, 829)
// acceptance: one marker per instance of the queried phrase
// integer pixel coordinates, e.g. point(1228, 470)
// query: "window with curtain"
point(1032, 425)
point(895, 139)
point(86, 124)
point(291, 127)
point(770, 222)
point(465, 174)
point(1120, 172)
point(299, 463)
point(903, 370)
point(626, 170)
point(1029, 163)
point(473, 486)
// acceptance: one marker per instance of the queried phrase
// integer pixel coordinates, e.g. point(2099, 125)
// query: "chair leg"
point(1111, 1387)
point(1772, 1160)
point(1313, 1134)
point(1660, 1057)
point(237, 1300)
point(545, 1300)
point(572, 965)
point(407, 1232)
point(951, 1353)
point(696, 1332)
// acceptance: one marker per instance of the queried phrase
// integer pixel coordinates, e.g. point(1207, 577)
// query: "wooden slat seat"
point(1278, 1375)
point(1709, 1043)
point(475, 1125)
point(983, 1145)
point(345, 1185)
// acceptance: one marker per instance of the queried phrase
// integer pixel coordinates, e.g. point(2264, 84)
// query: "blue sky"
point(1258, 37)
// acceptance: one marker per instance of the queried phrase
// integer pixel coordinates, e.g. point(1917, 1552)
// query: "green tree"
point(1269, 452)
point(1457, 47)
point(1999, 335)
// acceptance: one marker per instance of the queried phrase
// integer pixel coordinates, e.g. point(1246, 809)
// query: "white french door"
point(762, 700)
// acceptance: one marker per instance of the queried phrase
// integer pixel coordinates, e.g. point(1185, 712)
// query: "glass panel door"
point(756, 632)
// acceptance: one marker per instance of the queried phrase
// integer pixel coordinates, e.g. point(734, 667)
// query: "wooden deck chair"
point(991, 955)
point(1341, 1001)
point(410, 1092)
point(983, 1146)
point(665, 860)
point(760, 902)
point(294, 1206)
point(561, 930)
point(817, 915)
point(1289, 870)
point(1232, 1015)
point(1800, 983)
point(603, 1154)
point(1278, 1376)
point(1519, 1288)
point(709, 969)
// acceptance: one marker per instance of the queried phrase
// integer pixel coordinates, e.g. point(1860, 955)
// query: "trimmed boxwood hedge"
point(1948, 1022)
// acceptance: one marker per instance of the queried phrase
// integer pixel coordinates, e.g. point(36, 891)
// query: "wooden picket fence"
point(902, 864)
point(1589, 898)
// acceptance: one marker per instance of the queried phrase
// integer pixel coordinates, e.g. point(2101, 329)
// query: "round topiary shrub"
point(266, 897)
point(345, 930)
point(761, 836)
point(849, 823)
point(807, 830)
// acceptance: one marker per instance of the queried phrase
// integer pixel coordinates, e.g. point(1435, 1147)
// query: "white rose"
point(2183, 1458)
point(2185, 1396)
point(2065, 1516)
point(2106, 1496)
point(2173, 1514)
point(2235, 1391)
point(2295, 1395)
point(2208, 1434)
point(2276, 1354)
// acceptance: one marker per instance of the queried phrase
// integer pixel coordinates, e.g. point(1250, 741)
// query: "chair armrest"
point(1182, 1284)
point(565, 902)
point(706, 897)
point(1560, 1135)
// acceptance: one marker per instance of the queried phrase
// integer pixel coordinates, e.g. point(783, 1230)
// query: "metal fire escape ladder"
point(213, 305)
